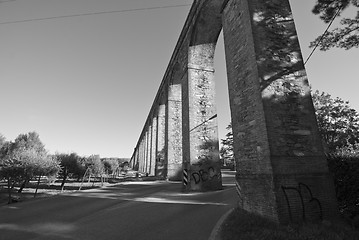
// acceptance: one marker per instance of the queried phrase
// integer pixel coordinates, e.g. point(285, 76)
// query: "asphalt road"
point(132, 210)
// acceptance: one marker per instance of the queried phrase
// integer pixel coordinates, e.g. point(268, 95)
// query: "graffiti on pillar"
point(207, 169)
point(309, 204)
point(205, 175)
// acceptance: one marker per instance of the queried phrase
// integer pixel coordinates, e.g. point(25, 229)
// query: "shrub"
point(344, 165)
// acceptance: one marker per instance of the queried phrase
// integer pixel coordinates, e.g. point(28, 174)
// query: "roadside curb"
point(215, 234)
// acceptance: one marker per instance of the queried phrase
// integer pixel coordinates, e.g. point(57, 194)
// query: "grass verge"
point(243, 225)
point(44, 190)
point(47, 189)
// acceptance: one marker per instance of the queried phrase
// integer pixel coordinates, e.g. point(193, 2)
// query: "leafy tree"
point(2, 140)
point(226, 150)
point(110, 165)
point(30, 140)
point(337, 122)
point(125, 166)
point(345, 37)
point(29, 149)
point(70, 166)
point(11, 168)
point(44, 165)
point(95, 165)
point(36, 164)
point(24, 159)
point(107, 166)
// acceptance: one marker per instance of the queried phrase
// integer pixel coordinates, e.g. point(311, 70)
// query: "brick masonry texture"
point(174, 132)
point(153, 146)
point(272, 114)
point(281, 169)
point(161, 151)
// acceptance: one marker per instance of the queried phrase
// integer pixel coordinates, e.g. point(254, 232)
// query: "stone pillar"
point(133, 159)
point(135, 167)
point(161, 165)
point(144, 152)
point(174, 150)
point(153, 145)
point(205, 166)
point(282, 172)
point(147, 157)
point(140, 155)
point(149, 148)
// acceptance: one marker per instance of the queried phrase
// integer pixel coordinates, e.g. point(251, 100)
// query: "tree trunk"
point(13, 185)
point(9, 189)
point(37, 185)
point(63, 182)
point(23, 185)
point(83, 179)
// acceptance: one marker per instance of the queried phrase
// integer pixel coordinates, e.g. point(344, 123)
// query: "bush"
point(243, 225)
point(344, 165)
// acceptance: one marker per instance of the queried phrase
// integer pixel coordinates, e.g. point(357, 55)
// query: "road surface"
point(131, 210)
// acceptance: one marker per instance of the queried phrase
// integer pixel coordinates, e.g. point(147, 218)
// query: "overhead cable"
point(94, 13)
point(325, 32)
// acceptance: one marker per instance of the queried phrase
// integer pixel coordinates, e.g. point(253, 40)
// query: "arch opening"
point(277, 147)
point(204, 162)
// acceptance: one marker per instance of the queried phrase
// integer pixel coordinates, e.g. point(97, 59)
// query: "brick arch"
point(204, 167)
point(208, 23)
point(204, 34)
point(281, 169)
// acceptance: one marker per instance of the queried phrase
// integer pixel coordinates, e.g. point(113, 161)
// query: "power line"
point(325, 32)
point(94, 13)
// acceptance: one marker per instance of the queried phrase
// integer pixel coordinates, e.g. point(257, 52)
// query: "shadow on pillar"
point(136, 167)
point(282, 172)
point(161, 166)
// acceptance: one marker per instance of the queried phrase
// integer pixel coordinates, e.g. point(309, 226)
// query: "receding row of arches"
point(276, 141)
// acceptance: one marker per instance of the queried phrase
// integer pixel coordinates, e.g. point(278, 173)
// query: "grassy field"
point(242, 225)
point(45, 189)
point(50, 188)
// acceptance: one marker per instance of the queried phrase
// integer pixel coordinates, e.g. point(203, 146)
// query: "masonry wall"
point(174, 132)
point(251, 147)
point(281, 170)
point(153, 146)
point(161, 142)
point(276, 138)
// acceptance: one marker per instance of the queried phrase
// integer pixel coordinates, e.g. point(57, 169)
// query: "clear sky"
point(86, 83)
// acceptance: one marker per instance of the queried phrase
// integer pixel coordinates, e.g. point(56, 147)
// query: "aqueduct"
point(282, 171)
